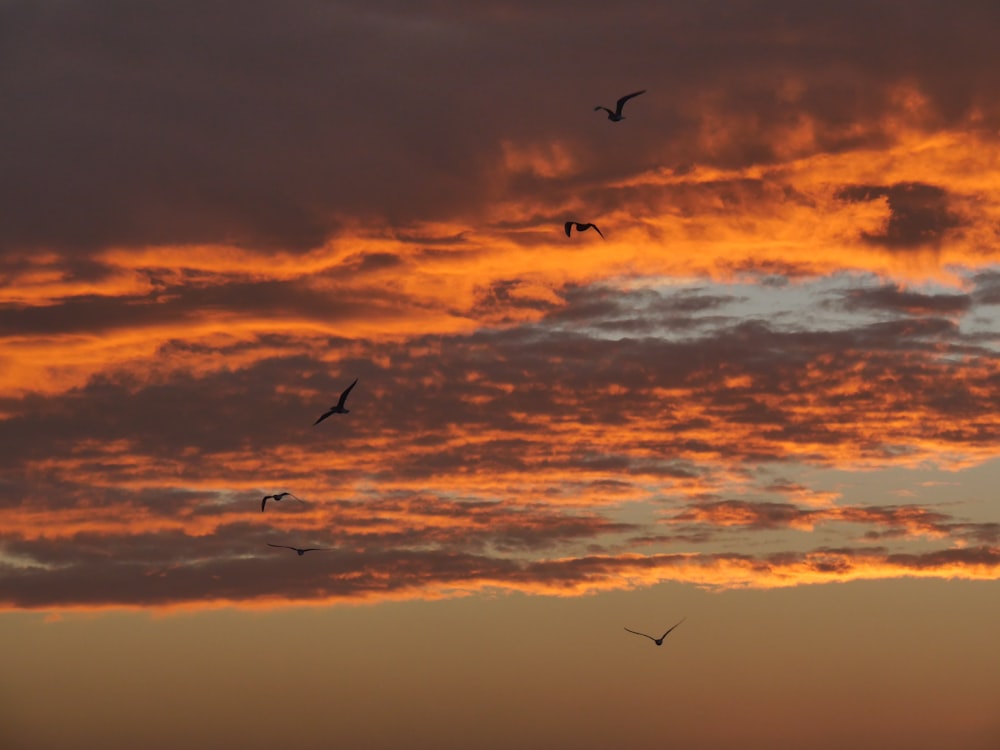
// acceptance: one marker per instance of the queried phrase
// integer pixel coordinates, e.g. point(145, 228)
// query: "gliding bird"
point(657, 641)
point(617, 114)
point(278, 498)
point(299, 549)
point(581, 227)
point(339, 408)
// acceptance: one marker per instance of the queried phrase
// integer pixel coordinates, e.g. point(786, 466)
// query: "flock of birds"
point(340, 407)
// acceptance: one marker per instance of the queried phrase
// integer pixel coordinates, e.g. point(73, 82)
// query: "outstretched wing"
point(568, 226)
point(323, 417)
point(264, 502)
point(343, 396)
point(668, 632)
point(621, 102)
point(281, 546)
point(597, 230)
point(292, 494)
point(642, 634)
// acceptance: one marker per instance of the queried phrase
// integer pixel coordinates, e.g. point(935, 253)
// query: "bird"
point(657, 641)
point(581, 227)
point(339, 408)
point(617, 114)
point(277, 498)
point(299, 549)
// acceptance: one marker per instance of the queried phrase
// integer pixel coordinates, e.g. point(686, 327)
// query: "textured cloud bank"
point(511, 458)
point(213, 226)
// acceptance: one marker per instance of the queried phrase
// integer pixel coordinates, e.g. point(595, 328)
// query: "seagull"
point(617, 114)
point(339, 408)
point(657, 641)
point(581, 227)
point(277, 498)
point(298, 549)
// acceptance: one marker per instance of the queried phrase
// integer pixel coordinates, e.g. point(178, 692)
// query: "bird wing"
point(315, 549)
point(668, 632)
point(281, 546)
point(596, 229)
point(642, 634)
point(343, 396)
point(263, 503)
point(291, 494)
point(621, 102)
point(568, 226)
point(323, 417)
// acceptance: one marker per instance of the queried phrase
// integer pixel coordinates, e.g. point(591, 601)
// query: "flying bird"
point(339, 408)
point(657, 641)
point(617, 114)
point(299, 549)
point(278, 498)
point(581, 227)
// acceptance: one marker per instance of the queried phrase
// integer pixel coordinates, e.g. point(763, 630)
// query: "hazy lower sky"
point(767, 401)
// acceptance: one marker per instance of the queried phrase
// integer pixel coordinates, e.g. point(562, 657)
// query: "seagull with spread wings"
point(617, 114)
point(300, 550)
point(581, 227)
point(657, 641)
point(277, 498)
point(339, 408)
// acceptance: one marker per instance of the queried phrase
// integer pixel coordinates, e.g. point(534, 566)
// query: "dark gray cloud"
point(499, 302)
point(641, 311)
point(267, 126)
point(891, 298)
point(97, 580)
point(181, 304)
point(919, 214)
point(987, 288)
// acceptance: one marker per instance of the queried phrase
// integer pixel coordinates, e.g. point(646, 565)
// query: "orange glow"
point(567, 437)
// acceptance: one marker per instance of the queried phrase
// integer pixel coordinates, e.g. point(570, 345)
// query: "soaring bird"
point(339, 408)
point(299, 549)
point(617, 114)
point(581, 227)
point(278, 498)
point(657, 641)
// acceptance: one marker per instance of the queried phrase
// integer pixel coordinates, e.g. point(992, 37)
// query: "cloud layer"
point(213, 227)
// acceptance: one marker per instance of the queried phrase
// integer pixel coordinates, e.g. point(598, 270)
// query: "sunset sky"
point(768, 401)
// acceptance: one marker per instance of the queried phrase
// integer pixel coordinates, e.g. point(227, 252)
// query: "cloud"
point(176, 126)
point(884, 522)
point(558, 396)
point(494, 458)
point(893, 299)
point(919, 214)
point(344, 576)
point(987, 288)
point(212, 227)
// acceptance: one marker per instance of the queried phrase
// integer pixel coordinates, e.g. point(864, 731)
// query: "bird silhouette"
point(339, 408)
point(617, 114)
point(581, 227)
point(277, 498)
point(657, 641)
point(300, 550)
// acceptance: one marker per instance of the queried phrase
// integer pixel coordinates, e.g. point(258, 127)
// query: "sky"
point(766, 401)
